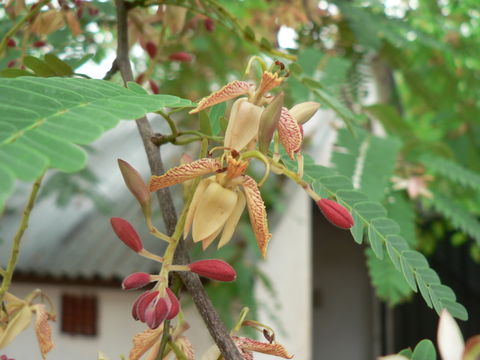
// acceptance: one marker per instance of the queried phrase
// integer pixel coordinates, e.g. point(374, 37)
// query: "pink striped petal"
point(228, 92)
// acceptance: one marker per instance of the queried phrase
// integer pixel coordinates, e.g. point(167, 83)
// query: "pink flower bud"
point(135, 183)
point(136, 281)
point(175, 304)
point(39, 44)
point(126, 232)
point(214, 269)
point(140, 305)
point(157, 312)
point(209, 24)
point(151, 49)
point(336, 213)
point(154, 87)
point(11, 43)
point(181, 56)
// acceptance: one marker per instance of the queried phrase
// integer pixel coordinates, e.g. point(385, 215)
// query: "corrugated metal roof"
point(77, 241)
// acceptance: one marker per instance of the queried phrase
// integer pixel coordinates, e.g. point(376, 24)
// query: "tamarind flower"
point(219, 200)
point(246, 113)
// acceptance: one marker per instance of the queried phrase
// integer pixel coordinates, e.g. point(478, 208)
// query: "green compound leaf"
point(389, 284)
point(44, 119)
point(382, 232)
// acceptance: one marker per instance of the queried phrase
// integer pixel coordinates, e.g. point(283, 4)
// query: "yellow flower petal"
point(194, 204)
point(257, 213)
point(264, 348)
point(233, 220)
point(209, 240)
point(290, 133)
point(214, 208)
point(229, 91)
point(243, 124)
point(184, 172)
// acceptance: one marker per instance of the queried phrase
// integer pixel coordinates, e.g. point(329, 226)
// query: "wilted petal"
point(243, 124)
point(257, 213)
point(233, 220)
point(184, 172)
point(143, 341)
point(264, 348)
point(214, 208)
point(269, 82)
point(229, 91)
point(43, 330)
point(449, 337)
point(212, 353)
point(290, 133)
point(186, 347)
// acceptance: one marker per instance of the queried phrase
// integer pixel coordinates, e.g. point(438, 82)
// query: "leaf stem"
point(8, 274)
point(33, 11)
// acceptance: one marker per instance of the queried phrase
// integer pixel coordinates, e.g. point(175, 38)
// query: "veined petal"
point(242, 124)
point(269, 82)
point(290, 133)
point(257, 213)
point(214, 208)
point(142, 342)
point(184, 172)
point(264, 348)
point(233, 220)
point(194, 204)
point(228, 92)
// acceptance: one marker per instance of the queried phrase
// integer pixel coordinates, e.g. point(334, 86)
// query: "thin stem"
point(33, 11)
point(170, 122)
point(2, 272)
point(7, 278)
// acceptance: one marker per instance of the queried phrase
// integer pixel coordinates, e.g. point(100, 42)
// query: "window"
point(79, 314)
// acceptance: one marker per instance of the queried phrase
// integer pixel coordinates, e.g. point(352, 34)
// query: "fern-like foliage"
point(361, 156)
point(383, 234)
point(390, 285)
point(458, 215)
point(452, 171)
point(43, 120)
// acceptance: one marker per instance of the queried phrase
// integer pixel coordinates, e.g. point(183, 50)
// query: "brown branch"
point(191, 281)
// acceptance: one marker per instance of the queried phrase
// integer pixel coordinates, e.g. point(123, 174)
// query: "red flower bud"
point(156, 312)
point(209, 24)
point(79, 12)
point(11, 63)
point(151, 49)
point(140, 305)
point(78, 3)
point(135, 281)
point(154, 87)
point(135, 183)
point(175, 304)
point(11, 43)
point(140, 78)
point(181, 56)
point(93, 11)
point(336, 213)
point(214, 269)
point(127, 233)
point(39, 44)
